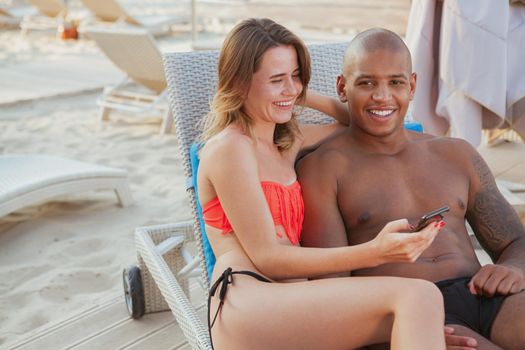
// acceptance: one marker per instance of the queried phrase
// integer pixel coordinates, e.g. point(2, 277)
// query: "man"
point(375, 171)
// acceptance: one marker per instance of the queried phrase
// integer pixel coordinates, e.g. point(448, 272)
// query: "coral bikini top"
point(285, 203)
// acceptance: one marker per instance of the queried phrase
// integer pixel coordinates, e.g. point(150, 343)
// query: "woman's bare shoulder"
point(229, 142)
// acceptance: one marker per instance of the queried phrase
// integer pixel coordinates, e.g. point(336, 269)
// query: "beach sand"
point(59, 257)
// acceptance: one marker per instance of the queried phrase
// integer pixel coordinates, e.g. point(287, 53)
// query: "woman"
point(253, 210)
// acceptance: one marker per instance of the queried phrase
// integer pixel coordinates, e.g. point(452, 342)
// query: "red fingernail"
point(435, 224)
point(442, 223)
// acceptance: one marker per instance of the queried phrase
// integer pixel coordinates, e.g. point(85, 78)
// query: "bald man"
point(376, 171)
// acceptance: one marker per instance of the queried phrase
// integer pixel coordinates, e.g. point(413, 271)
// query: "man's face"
point(378, 88)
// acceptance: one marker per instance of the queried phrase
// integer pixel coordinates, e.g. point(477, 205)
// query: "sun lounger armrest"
point(172, 289)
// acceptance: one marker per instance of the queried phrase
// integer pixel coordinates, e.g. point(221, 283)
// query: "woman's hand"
point(395, 242)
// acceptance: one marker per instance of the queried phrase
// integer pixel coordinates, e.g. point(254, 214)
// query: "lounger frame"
point(191, 78)
point(15, 195)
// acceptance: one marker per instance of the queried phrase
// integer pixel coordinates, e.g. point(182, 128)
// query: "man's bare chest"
point(373, 192)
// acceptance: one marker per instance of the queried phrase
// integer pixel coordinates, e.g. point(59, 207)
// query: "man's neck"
point(390, 144)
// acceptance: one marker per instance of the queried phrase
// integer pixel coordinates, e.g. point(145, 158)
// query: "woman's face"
point(275, 86)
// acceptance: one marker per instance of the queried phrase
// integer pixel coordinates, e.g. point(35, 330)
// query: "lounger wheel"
point(133, 291)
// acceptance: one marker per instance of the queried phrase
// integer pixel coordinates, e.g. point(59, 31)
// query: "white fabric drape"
point(470, 60)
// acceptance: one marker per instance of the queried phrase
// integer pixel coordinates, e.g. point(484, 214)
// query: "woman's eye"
point(276, 81)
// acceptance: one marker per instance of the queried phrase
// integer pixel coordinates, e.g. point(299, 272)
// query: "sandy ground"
point(59, 257)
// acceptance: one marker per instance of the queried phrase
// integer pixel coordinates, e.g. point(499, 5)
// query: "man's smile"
point(381, 113)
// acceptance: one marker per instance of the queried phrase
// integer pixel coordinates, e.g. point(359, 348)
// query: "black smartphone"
point(433, 216)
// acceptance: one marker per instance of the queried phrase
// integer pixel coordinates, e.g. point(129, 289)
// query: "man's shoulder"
point(447, 150)
point(334, 149)
point(442, 143)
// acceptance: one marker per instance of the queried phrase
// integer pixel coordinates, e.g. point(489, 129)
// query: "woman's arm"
point(234, 176)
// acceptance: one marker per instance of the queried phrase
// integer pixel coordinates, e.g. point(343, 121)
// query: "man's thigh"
point(483, 343)
point(508, 329)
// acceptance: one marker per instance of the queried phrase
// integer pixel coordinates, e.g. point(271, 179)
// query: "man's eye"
point(365, 83)
point(397, 82)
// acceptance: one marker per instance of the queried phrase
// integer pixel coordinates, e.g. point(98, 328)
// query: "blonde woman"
point(253, 211)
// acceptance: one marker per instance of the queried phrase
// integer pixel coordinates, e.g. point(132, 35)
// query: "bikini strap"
point(224, 279)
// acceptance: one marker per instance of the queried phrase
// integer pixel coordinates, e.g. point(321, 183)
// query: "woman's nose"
point(292, 87)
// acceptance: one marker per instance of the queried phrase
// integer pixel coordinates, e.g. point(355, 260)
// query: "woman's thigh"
point(339, 313)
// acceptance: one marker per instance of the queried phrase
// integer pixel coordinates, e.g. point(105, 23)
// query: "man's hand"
point(497, 279)
point(458, 342)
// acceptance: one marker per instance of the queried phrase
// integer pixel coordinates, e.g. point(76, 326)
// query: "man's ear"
point(341, 88)
point(412, 82)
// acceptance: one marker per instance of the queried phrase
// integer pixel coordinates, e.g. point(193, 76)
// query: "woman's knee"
point(422, 295)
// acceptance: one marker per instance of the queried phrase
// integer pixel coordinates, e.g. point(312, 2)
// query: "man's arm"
point(328, 105)
point(323, 224)
point(500, 232)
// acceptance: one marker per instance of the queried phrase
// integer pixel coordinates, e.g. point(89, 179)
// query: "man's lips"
point(381, 114)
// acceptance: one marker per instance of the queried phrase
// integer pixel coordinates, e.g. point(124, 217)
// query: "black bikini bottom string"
point(224, 279)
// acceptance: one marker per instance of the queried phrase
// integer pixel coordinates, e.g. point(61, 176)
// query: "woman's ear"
point(341, 88)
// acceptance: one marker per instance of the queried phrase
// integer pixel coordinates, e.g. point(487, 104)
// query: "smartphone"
point(433, 216)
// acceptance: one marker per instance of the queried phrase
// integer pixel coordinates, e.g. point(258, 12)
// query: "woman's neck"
point(263, 132)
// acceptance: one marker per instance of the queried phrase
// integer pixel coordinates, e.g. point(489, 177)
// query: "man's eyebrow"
point(364, 76)
point(283, 74)
point(391, 76)
point(400, 75)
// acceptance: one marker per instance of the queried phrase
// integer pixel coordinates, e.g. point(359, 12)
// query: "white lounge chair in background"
point(112, 11)
point(135, 52)
point(51, 14)
point(32, 179)
point(11, 16)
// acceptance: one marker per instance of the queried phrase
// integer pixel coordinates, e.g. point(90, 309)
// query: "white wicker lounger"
point(31, 179)
point(165, 262)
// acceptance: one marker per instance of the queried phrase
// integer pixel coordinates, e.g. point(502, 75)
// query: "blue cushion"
point(414, 126)
point(194, 160)
point(208, 252)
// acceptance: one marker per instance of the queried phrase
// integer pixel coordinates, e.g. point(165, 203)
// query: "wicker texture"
point(173, 291)
point(192, 80)
point(30, 179)
point(154, 301)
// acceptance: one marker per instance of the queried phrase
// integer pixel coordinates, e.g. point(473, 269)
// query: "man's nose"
point(381, 93)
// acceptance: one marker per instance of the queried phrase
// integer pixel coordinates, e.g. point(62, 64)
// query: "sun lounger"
point(192, 80)
point(12, 16)
point(112, 11)
point(31, 179)
point(135, 52)
point(51, 14)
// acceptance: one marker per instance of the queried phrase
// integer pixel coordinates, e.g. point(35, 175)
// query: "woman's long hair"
point(240, 58)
